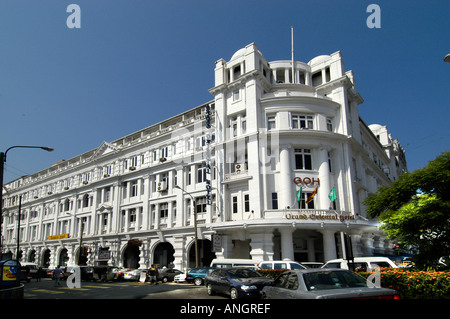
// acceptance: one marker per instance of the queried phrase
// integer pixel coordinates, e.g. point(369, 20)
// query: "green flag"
point(332, 195)
point(299, 196)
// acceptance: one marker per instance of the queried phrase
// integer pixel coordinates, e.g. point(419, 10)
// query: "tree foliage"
point(415, 209)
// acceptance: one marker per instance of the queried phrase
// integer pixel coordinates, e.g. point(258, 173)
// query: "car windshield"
point(243, 273)
point(332, 280)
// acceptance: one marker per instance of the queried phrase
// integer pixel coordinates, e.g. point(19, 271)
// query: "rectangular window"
point(317, 78)
point(303, 159)
point(165, 152)
point(104, 219)
point(134, 189)
point(188, 177)
point(124, 189)
point(304, 197)
point(329, 125)
point(302, 121)
point(201, 173)
point(271, 124)
point(164, 210)
point(200, 203)
point(133, 161)
point(236, 96)
point(132, 216)
point(274, 201)
point(235, 204)
point(246, 203)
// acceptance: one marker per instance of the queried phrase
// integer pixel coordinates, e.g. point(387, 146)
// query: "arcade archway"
point(131, 257)
point(205, 254)
point(163, 254)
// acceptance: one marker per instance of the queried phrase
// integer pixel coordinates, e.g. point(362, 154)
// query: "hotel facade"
point(276, 166)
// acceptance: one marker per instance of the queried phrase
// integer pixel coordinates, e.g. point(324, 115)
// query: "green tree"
point(415, 209)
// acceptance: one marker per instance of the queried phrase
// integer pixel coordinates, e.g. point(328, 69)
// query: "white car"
point(179, 278)
point(134, 274)
point(280, 264)
point(361, 262)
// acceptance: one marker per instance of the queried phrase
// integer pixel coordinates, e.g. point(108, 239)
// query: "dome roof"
point(319, 59)
point(238, 53)
point(375, 127)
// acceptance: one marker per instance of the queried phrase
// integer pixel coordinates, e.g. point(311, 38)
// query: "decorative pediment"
point(105, 207)
point(104, 149)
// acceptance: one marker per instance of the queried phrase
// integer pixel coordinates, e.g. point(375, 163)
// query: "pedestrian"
point(57, 273)
point(39, 274)
point(153, 273)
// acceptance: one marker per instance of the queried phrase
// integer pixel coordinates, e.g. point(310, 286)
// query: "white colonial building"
point(276, 127)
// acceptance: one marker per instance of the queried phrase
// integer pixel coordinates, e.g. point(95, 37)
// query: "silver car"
point(324, 284)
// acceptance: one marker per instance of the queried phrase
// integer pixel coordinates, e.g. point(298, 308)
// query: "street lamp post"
point(18, 228)
point(195, 225)
point(2, 166)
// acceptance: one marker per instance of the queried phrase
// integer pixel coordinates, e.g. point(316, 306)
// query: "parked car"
point(106, 273)
point(366, 263)
point(311, 264)
point(228, 263)
point(86, 272)
point(198, 274)
point(122, 272)
point(134, 274)
point(280, 264)
point(237, 282)
point(180, 278)
point(30, 268)
point(168, 274)
point(324, 284)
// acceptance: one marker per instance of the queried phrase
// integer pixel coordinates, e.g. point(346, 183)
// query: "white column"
point(324, 177)
point(156, 221)
point(180, 253)
point(127, 220)
point(261, 246)
point(227, 247)
point(311, 250)
point(170, 214)
point(329, 244)
point(287, 244)
point(145, 205)
point(285, 189)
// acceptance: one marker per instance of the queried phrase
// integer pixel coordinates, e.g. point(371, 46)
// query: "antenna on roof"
point(292, 53)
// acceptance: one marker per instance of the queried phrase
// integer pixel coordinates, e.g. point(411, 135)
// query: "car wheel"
point(234, 293)
point(165, 279)
point(209, 289)
point(198, 281)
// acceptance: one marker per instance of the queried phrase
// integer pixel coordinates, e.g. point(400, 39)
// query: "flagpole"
point(292, 53)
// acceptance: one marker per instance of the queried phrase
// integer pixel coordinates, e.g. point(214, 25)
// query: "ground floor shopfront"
point(294, 235)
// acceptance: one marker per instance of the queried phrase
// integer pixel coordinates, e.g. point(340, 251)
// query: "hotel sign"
point(320, 217)
point(62, 236)
point(307, 180)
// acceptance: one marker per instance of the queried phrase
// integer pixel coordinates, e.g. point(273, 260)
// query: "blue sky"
point(134, 63)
